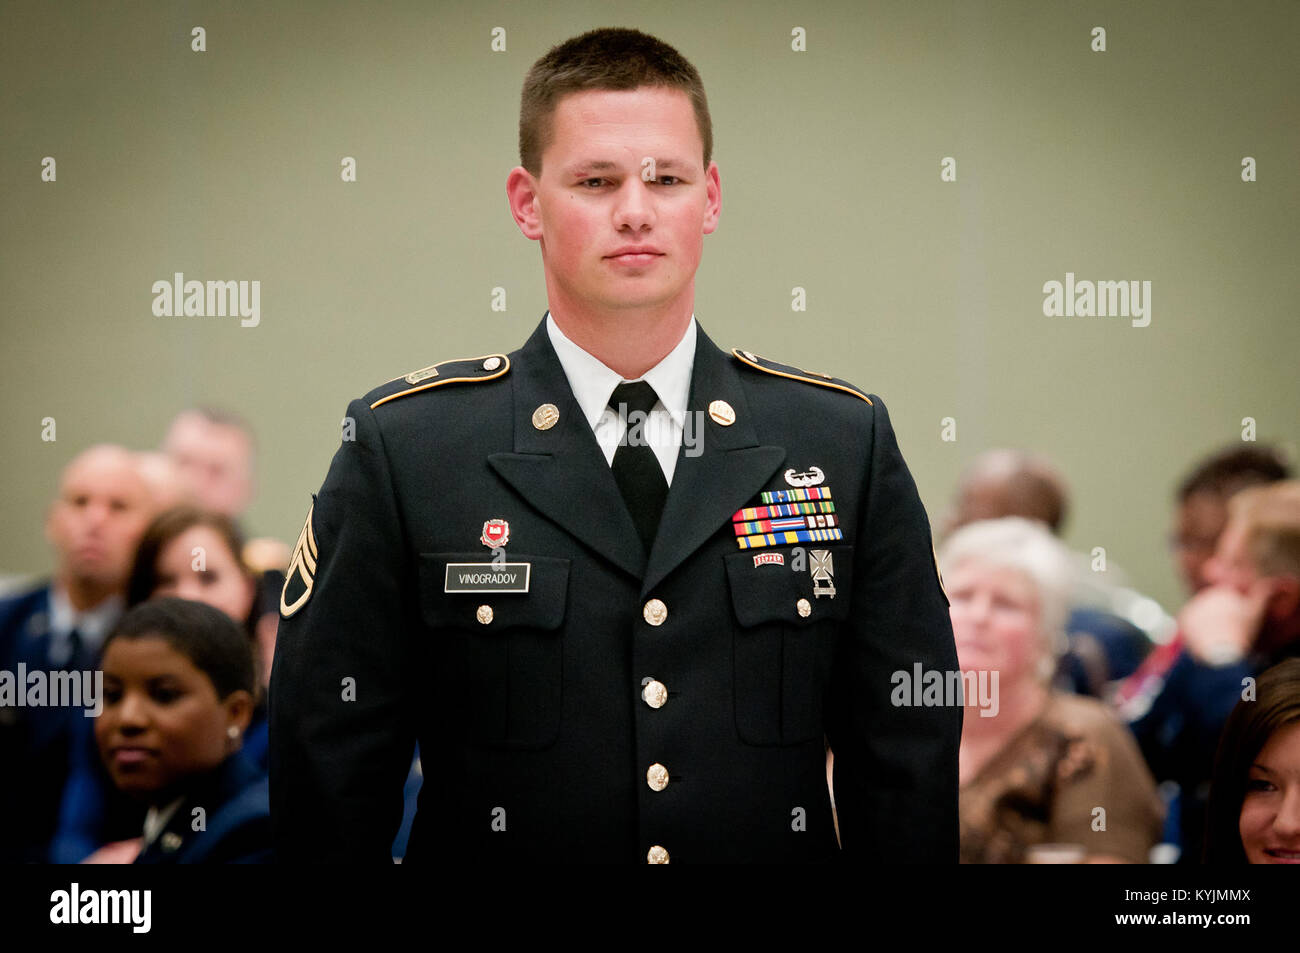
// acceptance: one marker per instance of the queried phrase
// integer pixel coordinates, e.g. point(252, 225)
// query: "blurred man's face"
point(1198, 523)
point(594, 203)
point(99, 516)
point(215, 462)
point(1231, 564)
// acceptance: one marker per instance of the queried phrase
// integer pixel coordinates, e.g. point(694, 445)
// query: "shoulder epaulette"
point(471, 370)
point(795, 373)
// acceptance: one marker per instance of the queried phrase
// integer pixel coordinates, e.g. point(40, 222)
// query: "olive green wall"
point(1117, 165)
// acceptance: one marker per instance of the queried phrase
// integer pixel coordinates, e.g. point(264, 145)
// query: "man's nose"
point(635, 207)
point(1213, 570)
point(96, 515)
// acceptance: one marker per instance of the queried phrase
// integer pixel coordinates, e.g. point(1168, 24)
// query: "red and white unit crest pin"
point(495, 533)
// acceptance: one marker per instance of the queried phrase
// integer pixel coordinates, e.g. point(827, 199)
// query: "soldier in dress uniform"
point(624, 587)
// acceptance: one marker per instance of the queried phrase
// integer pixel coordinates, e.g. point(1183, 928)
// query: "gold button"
point(656, 855)
point(656, 776)
point(655, 612)
point(655, 693)
point(546, 416)
point(722, 413)
point(171, 841)
point(492, 363)
point(484, 614)
point(804, 607)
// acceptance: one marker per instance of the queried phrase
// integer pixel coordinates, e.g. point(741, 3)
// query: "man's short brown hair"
point(610, 58)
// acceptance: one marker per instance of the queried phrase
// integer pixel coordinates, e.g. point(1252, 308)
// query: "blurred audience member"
point(167, 488)
point(179, 687)
point(93, 525)
point(192, 554)
point(1001, 483)
point(1039, 768)
point(1245, 621)
point(196, 554)
point(1105, 643)
point(214, 452)
point(1254, 812)
point(1202, 503)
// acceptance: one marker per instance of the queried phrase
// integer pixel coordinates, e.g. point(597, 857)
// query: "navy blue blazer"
point(236, 820)
point(34, 741)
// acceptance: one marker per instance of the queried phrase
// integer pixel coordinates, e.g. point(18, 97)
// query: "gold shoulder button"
point(473, 370)
point(794, 373)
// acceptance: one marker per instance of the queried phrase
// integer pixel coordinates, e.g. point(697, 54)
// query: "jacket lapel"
point(718, 477)
point(561, 471)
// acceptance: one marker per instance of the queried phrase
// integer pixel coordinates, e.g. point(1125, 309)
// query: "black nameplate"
point(487, 577)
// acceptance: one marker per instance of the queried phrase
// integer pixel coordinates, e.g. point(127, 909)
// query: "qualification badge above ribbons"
point(801, 514)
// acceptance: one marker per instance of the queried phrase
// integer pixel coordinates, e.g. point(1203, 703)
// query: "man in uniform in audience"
point(94, 524)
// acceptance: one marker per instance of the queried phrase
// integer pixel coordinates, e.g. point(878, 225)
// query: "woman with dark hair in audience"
point(178, 696)
point(193, 554)
point(196, 554)
point(1254, 809)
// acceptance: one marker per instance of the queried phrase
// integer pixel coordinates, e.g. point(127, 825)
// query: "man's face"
point(1198, 524)
point(214, 462)
point(624, 170)
point(1231, 564)
point(101, 511)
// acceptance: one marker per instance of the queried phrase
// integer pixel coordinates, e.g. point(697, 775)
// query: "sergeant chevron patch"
point(301, 573)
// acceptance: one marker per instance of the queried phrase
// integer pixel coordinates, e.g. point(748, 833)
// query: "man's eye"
point(664, 180)
point(590, 181)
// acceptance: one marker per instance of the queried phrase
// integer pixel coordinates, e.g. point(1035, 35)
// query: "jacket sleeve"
point(895, 768)
point(341, 731)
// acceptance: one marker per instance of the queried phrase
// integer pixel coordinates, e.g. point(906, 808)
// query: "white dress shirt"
point(156, 819)
point(93, 624)
point(593, 383)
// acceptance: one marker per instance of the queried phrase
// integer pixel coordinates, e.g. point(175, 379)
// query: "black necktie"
point(636, 468)
point(74, 651)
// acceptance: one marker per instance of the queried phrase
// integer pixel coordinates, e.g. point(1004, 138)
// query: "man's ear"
point(713, 187)
point(521, 190)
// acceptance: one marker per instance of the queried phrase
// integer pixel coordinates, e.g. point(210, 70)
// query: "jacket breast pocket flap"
point(788, 606)
point(499, 642)
point(520, 591)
